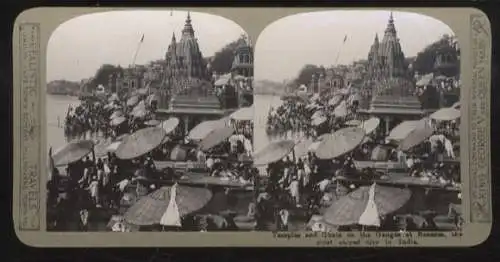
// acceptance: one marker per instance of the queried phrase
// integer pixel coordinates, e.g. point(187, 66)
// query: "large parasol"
point(302, 147)
point(117, 121)
point(133, 101)
point(243, 114)
point(170, 124)
point(318, 120)
point(72, 152)
point(446, 114)
point(100, 148)
point(113, 146)
point(402, 130)
point(150, 209)
point(314, 146)
point(216, 137)
point(370, 125)
point(416, 136)
point(273, 152)
point(341, 142)
point(203, 129)
point(141, 142)
point(350, 209)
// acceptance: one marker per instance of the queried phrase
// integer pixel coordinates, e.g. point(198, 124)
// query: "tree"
point(102, 75)
point(223, 59)
point(424, 62)
point(305, 74)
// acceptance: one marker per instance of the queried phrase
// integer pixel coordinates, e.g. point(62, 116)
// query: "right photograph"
point(357, 120)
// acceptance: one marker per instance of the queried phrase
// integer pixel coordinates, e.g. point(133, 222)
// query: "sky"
point(78, 47)
point(286, 45)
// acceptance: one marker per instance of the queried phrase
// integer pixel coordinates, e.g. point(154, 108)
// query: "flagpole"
point(338, 53)
point(137, 49)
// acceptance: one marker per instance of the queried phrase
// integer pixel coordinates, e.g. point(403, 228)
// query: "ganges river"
point(57, 106)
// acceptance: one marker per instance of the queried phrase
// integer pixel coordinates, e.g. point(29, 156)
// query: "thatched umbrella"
point(216, 137)
point(354, 207)
point(141, 142)
point(341, 142)
point(243, 114)
point(402, 130)
point(72, 152)
point(416, 136)
point(446, 114)
point(203, 129)
point(150, 209)
point(273, 152)
point(170, 124)
point(302, 147)
point(370, 125)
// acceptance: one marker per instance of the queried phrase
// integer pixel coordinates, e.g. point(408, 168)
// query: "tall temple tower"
point(243, 59)
point(389, 81)
point(184, 60)
point(386, 59)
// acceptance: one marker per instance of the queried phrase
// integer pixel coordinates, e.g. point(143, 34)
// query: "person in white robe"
point(294, 191)
point(448, 146)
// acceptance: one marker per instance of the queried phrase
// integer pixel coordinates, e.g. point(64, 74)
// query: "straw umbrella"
point(302, 147)
point(150, 209)
point(370, 125)
point(216, 137)
point(72, 152)
point(170, 124)
point(341, 142)
point(203, 129)
point(402, 130)
point(117, 121)
point(446, 114)
point(273, 152)
point(416, 136)
point(243, 114)
point(141, 142)
point(366, 203)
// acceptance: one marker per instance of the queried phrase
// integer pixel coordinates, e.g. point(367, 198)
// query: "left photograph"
point(149, 123)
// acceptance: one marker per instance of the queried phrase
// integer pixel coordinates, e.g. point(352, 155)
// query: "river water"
point(57, 106)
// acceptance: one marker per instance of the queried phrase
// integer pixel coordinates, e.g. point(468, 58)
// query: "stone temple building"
point(389, 88)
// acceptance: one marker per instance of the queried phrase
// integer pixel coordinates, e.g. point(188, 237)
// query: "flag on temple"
point(345, 38)
point(142, 38)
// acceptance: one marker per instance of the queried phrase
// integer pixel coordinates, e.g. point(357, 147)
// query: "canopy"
point(141, 142)
point(216, 137)
point(402, 130)
point(72, 152)
point(340, 142)
point(314, 146)
point(348, 209)
point(152, 122)
point(370, 125)
point(170, 124)
point(133, 101)
point(273, 152)
point(243, 114)
point(446, 114)
point(415, 137)
point(150, 209)
point(203, 129)
point(302, 147)
point(117, 121)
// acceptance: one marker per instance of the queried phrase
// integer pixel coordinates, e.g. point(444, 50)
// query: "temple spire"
point(173, 37)
point(390, 25)
point(188, 27)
